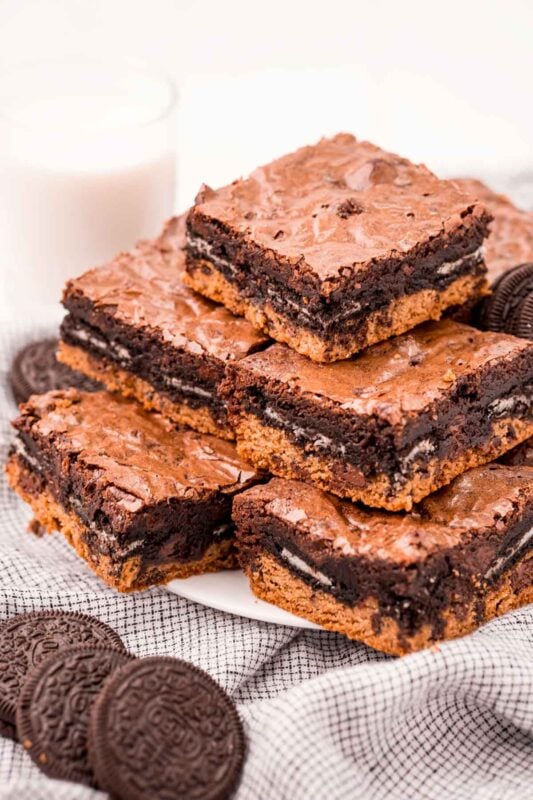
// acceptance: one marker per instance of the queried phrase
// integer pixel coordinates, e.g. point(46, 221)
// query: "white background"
point(448, 83)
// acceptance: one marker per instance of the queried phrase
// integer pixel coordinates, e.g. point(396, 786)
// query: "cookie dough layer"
point(274, 583)
point(399, 316)
point(130, 574)
point(272, 450)
point(129, 385)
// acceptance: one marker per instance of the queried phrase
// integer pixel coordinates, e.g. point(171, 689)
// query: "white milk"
point(86, 172)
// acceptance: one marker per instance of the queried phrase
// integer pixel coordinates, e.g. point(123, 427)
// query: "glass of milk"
point(88, 167)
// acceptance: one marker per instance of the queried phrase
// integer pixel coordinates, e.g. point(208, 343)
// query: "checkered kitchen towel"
point(325, 718)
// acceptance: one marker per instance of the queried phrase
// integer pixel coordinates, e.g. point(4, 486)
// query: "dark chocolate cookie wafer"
point(509, 308)
point(36, 370)
point(521, 323)
point(26, 639)
point(163, 729)
point(54, 707)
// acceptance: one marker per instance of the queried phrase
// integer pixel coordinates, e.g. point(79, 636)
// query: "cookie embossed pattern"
point(164, 729)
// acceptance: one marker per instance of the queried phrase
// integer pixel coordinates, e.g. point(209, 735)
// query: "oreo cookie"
point(28, 638)
point(54, 707)
point(509, 309)
point(36, 370)
point(163, 728)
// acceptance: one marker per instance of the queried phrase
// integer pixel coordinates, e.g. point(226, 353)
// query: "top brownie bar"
point(337, 246)
point(134, 326)
point(511, 236)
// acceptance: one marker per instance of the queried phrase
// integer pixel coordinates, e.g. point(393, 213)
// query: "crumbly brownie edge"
point(130, 575)
point(274, 583)
point(129, 385)
point(271, 449)
point(399, 316)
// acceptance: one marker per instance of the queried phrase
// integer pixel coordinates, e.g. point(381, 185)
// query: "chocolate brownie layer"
point(396, 581)
point(337, 246)
point(135, 327)
point(391, 425)
point(511, 232)
point(141, 502)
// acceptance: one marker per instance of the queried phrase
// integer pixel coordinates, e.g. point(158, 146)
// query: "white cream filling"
point(20, 447)
point(448, 267)
point(501, 562)
point(317, 441)
point(105, 537)
point(507, 405)
point(186, 388)
point(302, 566)
point(118, 350)
point(206, 250)
point(123, 354)
point(425, 447)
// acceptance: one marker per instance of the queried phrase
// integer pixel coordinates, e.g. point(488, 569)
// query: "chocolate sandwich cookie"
point(133, 325)
point(54, 706)
point(510, 306)
point(28, 638)
point(398, 582)
point(391, 425)
point(337, 246)
point(36, 369)
point(140, 501)
point(162, 728)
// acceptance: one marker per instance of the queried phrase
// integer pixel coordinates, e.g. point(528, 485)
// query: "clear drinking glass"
point(88, 165)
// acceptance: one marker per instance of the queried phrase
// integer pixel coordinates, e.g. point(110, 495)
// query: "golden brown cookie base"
point(401, 315)
point(276, 584)
point(271, 449)
point(127, 384)
point(129, 575)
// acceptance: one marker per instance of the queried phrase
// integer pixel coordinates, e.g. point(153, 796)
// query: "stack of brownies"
point(385, 520)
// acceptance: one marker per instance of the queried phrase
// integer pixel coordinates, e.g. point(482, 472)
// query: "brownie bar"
point(141, 502)
point(134, 326)
point(337, 246)
point(397, 582)
point(511, 234)
point(391, 425)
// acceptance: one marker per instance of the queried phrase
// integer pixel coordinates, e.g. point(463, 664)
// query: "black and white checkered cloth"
point(325, 718)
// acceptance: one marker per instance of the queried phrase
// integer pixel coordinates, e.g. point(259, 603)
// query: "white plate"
point(229, 591)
